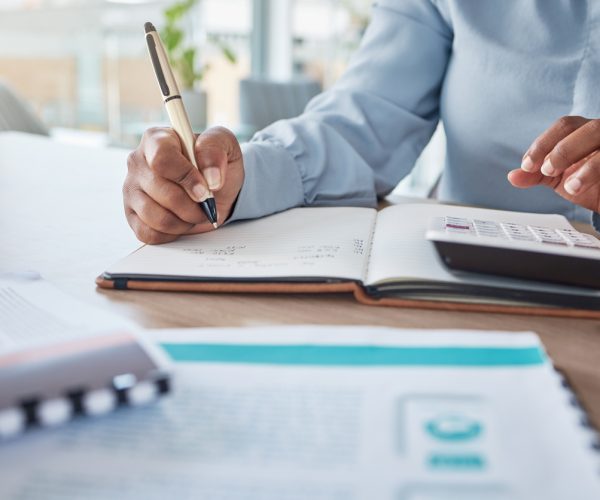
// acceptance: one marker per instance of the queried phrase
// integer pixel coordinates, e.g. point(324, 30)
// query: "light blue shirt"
point(496, 72)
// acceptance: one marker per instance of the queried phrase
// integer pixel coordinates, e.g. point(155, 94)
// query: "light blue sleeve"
point(356, 141)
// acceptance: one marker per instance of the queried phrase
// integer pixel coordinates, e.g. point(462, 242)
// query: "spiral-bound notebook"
point(328, 413)
point(61, 359)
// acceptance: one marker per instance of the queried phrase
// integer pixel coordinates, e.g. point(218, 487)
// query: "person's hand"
point(565, 159)
point(162, 188)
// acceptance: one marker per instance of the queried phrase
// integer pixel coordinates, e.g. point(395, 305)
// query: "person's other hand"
point(162, 188)
point(565, 159)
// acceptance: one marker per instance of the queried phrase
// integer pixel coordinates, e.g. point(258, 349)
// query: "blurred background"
point(80, 67)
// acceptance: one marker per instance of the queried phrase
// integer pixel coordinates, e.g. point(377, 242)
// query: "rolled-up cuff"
point(272, 182)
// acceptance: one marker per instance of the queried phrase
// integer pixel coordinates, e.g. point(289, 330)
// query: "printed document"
point(327, 413)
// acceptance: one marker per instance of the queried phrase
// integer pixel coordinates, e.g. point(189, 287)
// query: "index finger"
point(164, 155)
point(544, 144)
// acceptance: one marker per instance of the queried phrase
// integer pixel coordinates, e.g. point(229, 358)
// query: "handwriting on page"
point(310, 253)
point(228, 250)
point(302, 242)
point(305, 255)
point(293, 242)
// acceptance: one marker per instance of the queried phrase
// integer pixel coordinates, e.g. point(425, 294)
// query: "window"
point(83, 65)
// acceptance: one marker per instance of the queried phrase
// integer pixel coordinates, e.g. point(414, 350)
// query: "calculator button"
point(547, 235)
point(488, 228)
point(456, 226)
point(457, 223)
point(585, 244)
point(490, 233)
point(555, 242)
point(521, 237)
point(485, 223)
point(589, 242)
point(517, 232)
point(577, 239)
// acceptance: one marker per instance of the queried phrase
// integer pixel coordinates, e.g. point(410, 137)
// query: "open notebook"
point(382, 257)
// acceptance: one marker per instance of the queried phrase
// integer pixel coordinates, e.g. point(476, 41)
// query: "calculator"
point(506, 248)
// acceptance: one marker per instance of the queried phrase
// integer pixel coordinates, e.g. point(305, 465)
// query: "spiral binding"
point(123, 391)
point(584, 420)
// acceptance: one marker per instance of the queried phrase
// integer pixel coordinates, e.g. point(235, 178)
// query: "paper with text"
point(34, 312)
point(299, 243)
point(305, 413)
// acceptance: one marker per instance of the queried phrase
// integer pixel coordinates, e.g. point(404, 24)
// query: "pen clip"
point(162, 82)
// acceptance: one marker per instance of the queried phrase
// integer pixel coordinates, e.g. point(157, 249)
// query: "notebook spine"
point(370, 250)
point(38, 412)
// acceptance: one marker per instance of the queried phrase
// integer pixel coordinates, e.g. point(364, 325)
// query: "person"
point(503, 77)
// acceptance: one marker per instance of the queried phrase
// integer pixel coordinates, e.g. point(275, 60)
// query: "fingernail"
point(212, 176)
point(547, 168)
point(573, 185)
point(200, 192)
point(527, 164)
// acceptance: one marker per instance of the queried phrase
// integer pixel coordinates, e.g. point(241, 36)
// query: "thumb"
point(215, 149)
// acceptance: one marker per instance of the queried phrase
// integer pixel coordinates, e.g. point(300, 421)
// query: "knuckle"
point(562, 152)
point(143, 232)
point(216, 138)
point(592, 166)
point(144, 207)
point(146, 234)
point(130, 216)
point(222, 131)
point(565, 122)
point(170, 197)
point(149, 236)
point(166, 222)
point(538, 148)
point(152, 132)
point(163, 192)
point(132, 160)
point(139, 234)
point(160, 162)
point(594, 127)
point(126, 190)
point(129, 190)
point(139, 229)
point(188, 178)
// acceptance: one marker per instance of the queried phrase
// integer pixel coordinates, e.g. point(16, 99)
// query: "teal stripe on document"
point(345, 355)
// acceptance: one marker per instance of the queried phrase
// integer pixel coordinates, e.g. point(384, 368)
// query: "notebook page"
point(33, 312)
point(400, 251)
point(299, 243)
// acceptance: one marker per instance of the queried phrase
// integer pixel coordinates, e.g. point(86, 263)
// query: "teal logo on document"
point(453, 461)
point(456, 429)
point(453, 428)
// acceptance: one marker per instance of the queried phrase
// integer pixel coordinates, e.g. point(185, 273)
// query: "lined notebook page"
point(33, 312)
point(299, 243)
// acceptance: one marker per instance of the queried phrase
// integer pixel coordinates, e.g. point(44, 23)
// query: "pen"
point(175, 109)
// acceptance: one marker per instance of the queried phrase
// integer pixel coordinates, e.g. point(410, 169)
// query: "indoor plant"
point(183, 55)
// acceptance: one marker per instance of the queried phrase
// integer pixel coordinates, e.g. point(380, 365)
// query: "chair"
point(16, 114)
point(264, 101)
